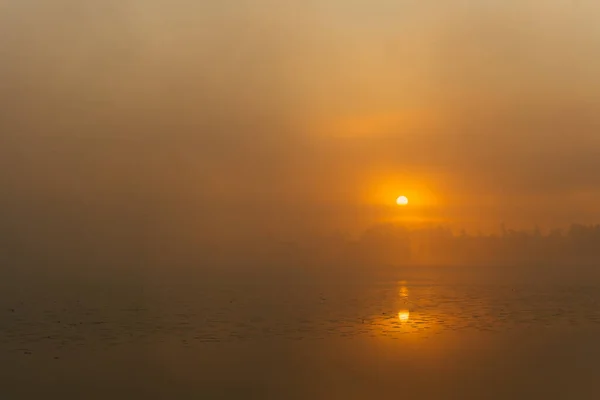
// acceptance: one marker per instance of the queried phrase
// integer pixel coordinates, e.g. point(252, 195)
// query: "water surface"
point(427, 335)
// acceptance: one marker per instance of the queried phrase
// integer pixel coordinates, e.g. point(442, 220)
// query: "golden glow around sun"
point(402, 201)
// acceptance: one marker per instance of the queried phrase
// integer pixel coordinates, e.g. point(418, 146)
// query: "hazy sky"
point(264, 116)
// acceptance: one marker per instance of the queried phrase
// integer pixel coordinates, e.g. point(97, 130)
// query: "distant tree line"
point(395, 245)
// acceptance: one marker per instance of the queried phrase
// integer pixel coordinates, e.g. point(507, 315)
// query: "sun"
point(402, 200)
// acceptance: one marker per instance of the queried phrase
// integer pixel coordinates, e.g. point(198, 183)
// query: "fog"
point(154, 132)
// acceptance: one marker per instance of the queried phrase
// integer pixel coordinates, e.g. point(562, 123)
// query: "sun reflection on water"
point(404, 315)
point(403, 290)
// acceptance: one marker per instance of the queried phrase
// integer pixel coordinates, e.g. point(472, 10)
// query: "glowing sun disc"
point(402, 201)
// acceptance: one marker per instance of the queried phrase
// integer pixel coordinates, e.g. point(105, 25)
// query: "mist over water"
point(149, 122)
point(197, 199)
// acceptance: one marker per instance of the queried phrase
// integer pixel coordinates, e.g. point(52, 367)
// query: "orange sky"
point(268, 116)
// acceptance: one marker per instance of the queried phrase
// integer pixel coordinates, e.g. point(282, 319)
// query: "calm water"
point(452, 334)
